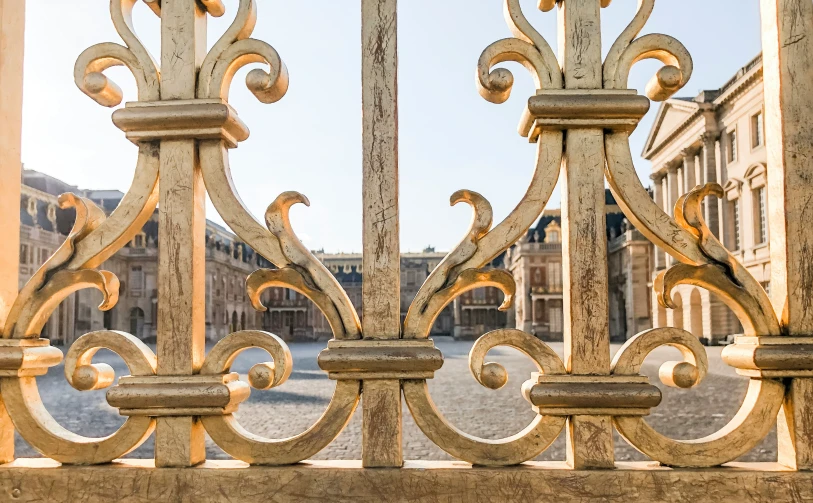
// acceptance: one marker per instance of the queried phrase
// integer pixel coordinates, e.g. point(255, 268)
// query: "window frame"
point(732, 152)
point(757, 130)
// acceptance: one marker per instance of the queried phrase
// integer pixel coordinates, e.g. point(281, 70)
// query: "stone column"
point(673, 193)
point(722, 174)
point(657, 188)
point(689, 168)
point(673, 196)
point(712, 212)
point(458, 317)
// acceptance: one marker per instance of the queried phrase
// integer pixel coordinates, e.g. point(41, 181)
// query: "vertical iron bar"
point(179, 441)
point(12, 27)
point(787, 40)
point(381, 311)
point(584, 251)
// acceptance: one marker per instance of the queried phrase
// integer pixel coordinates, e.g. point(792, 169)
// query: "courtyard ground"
point(293, 407)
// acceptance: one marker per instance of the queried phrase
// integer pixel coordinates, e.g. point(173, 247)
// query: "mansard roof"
point(615, 218)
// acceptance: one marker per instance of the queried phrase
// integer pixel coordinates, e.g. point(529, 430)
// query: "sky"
point(310, 141)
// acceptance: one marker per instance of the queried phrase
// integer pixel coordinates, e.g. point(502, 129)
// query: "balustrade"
point(580, 119)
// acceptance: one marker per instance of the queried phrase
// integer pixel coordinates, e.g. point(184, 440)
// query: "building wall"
point(718, 137)
point(535, 262)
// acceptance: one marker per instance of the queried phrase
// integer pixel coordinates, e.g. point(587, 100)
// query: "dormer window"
point(553, 233)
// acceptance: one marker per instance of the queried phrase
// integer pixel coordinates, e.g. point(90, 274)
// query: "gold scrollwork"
point(93, 238)
point(88, 72)
point(462, 269)
point(628, 50)
point(704, 262)
point(297, 269)
point(227, 432)
point(525, 445)
point(235, 50)
point(528, 47)
point(36, 425)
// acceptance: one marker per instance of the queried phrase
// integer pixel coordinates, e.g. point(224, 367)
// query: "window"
point(480, 295)
point(732, 146)
point(757, 130)
point(760, 217)
point(44, 254)
point(555, 276)
point(136, 279)
point(553, 237)
point(736, 233)
point(24, 254)
point(139, 241)
point(555, 315)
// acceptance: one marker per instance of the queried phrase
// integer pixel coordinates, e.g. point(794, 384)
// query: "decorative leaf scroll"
point(750, 425)
point(235, 50)
point(482, 243)
point(528, 48)
point(721, 273)
point(297, 269)
point(462, 269)
point(525, 445)
point(227, 432)
point(627, 50)
point(88, 72)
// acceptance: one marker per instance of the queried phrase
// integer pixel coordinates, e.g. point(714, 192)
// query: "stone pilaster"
point(658, 180)
point(712, 208)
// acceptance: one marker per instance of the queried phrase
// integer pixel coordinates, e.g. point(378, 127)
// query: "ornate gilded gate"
point(580, 120)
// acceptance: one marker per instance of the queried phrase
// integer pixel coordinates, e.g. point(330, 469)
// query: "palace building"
point(717, 136)
point(535, 262)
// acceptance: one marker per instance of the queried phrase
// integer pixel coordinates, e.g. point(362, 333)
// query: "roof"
point(676, 114)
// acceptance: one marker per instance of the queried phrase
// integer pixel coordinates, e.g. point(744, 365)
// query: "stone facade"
point(44, 227)
point(717, 136)
point(535, 262)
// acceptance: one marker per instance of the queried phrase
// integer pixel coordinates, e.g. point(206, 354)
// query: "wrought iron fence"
point(580, 120)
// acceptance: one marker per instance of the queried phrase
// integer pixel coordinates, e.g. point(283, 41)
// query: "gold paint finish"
point(580, 116)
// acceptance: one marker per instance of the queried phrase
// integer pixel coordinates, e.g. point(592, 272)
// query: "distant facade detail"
point(717, 136)
point(535, 263)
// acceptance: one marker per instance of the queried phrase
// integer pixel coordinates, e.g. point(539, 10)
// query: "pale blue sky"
point(311, 140)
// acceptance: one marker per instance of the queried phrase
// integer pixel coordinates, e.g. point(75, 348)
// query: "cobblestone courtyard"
point(292, 408)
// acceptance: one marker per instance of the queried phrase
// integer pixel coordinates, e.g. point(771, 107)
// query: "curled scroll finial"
point(262, 376)
point(91, 64)
point(235, 50)
point(419, 322)
point(627, 50)
point(684, 374)
point(528, 47)
point(290, 277)
point(493, 375)
point(748, 427)
point(525, 445)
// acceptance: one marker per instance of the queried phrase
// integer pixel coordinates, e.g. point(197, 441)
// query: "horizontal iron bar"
point(137, 481)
